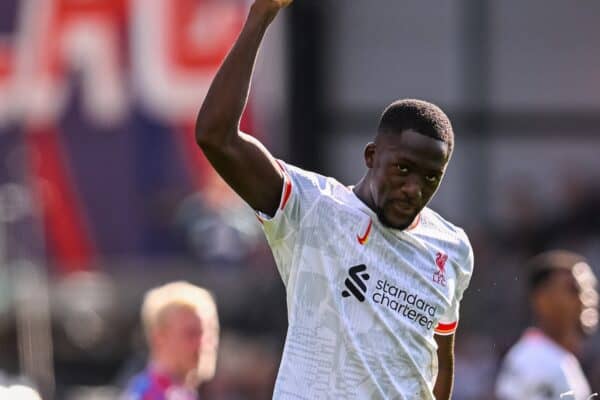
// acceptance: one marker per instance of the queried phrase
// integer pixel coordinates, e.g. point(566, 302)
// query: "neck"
point(361, 190)
point(163, 367)
point(568, 339)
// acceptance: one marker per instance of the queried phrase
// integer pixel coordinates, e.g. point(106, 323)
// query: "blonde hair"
point(159, 301)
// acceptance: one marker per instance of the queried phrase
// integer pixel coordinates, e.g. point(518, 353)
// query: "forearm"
point(443, 385)
point(220, 114)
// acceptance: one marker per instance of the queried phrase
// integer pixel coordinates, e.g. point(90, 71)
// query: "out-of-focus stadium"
point(104, 194)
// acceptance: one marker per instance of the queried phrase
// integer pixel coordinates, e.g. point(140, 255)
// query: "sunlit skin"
point(175, 343)
point(404, 172)
point(557, 307)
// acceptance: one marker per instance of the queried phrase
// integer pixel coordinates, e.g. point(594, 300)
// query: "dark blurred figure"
point(563, 299)
point(181, 325)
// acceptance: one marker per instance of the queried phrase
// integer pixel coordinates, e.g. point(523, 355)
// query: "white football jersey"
point(363, 300)
point(536, 368)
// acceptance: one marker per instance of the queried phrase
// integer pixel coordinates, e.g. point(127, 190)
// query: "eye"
point(403, 170)
point(432, 179)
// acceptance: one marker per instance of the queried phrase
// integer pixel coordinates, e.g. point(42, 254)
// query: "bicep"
point(250, 170)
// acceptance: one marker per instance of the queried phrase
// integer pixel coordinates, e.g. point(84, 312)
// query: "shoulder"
point(308, 177)
point(141, 387)
point(438, 225)
point(533, 355)
point(312, 183)
point(435, 225)
point(540, 368)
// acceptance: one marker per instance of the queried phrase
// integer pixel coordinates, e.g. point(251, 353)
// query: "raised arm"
point(243, 162)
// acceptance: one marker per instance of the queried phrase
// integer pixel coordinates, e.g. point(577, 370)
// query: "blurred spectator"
point(17, 388)
point(18, 392)
point(563, 298)
point(181, 325)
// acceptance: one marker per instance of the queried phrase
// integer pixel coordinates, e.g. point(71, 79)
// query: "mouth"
point(404, 208)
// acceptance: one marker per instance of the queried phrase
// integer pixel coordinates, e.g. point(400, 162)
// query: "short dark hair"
point(543, 266)
point(421, 116)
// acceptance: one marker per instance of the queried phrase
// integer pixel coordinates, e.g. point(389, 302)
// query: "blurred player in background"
point(373, 277)
point(563, 299)
point(18, 392)
point(182, 328)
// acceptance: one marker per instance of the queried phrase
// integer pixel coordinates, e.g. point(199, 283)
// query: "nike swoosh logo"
point(363, 239)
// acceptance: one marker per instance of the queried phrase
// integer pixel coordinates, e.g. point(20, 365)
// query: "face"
point(405, 171)
point(560, 301)
point(179, 337)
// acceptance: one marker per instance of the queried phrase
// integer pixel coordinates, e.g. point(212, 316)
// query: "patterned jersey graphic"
point(362, 307)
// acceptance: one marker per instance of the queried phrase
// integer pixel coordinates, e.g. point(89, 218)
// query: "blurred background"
point(103, 193)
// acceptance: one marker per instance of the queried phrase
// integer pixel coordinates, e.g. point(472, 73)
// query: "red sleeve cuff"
point(446, 329)
point(287, 187)
point(285, 194)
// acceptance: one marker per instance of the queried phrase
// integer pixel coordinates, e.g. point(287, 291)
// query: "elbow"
point(206, 135)
point(214, 131)
point(202, 132)
point(213, 140)
point(201, 137)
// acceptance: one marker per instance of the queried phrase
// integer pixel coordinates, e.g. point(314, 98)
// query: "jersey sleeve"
point(449, 321)
point(299, 194)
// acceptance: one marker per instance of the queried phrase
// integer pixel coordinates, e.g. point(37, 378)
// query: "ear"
point(369, 154)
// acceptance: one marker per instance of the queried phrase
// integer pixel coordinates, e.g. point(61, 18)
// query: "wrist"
point(263, 12)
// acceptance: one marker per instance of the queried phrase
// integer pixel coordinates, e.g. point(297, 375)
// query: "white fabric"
point(536, 368)
point(383, 347)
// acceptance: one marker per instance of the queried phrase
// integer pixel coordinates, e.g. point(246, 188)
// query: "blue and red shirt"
point(152, 385)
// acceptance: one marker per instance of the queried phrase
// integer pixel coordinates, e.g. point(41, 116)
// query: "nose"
point(412, 189)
